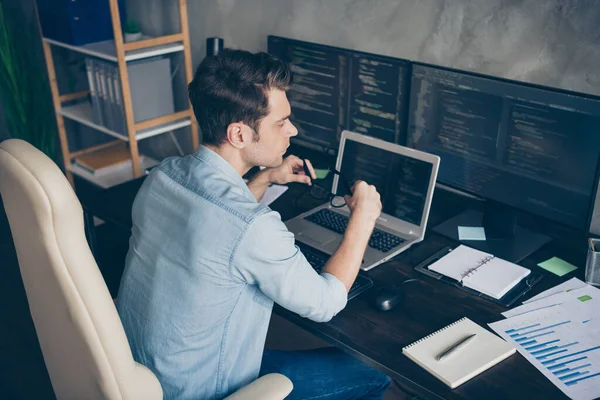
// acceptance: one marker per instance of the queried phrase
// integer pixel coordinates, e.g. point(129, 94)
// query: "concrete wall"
point(549, 42)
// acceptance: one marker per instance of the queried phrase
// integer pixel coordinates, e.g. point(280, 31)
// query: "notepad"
point(480, 271)
point(480, 354)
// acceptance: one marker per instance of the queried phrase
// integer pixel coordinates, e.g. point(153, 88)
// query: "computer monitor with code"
point(519, 146)
point(335, 89)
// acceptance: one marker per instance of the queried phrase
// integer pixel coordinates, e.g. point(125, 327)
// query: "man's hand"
point(291, 170)
point(365, 205)
point(365, 201)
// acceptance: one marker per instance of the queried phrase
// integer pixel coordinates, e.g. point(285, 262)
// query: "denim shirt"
point(206, 261)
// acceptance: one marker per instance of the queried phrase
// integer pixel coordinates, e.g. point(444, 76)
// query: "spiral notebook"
point(480, 354)
point(480, 271)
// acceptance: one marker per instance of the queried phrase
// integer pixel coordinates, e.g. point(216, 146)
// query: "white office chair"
point(82, 339)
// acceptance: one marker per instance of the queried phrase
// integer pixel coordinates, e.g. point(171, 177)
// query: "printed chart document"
point(563, 342)
point(571, 284)
point(575, 297)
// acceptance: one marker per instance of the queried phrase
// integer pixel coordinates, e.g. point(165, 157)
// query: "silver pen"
point(456, 346)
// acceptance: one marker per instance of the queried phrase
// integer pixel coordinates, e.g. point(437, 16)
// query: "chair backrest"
point(82, 339)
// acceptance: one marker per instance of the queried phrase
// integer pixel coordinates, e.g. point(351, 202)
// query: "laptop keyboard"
point(380, 240)
point(318, 259)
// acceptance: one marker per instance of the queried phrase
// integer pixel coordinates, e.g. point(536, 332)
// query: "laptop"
point(405, 178)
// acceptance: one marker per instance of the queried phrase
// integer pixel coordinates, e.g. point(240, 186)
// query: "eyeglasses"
point(319, 192)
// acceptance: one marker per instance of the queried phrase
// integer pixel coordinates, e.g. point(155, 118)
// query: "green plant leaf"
point(131, 26)
point(24, 88)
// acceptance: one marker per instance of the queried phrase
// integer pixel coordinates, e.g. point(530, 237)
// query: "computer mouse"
point(389, 297)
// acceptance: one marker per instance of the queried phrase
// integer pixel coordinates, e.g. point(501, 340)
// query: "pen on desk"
point(455, 347)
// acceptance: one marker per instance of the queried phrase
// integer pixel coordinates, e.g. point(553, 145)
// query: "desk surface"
point(378, 337)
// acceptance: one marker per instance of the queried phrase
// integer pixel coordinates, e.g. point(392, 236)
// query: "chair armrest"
point(268, 387)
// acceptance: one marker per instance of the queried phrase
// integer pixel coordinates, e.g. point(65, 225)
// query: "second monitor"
point(519, 146)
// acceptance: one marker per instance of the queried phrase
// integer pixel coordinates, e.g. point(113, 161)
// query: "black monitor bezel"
point(461, 190)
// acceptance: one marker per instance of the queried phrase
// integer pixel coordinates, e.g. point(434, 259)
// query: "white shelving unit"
point(81, 112)
point(108, 51)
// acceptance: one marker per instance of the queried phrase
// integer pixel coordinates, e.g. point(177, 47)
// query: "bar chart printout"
point(564, 348)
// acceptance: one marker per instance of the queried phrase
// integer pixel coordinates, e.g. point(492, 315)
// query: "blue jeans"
point(326, 374)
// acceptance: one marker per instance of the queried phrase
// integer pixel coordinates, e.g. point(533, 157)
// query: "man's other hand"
point(291, 170)
point(365, 201)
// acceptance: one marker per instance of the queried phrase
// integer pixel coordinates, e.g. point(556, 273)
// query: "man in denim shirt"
point(206, 260)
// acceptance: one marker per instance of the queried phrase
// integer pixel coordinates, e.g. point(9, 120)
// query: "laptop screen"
point(401, 181)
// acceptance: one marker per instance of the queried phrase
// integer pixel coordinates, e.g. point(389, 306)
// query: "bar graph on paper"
point(560, 346)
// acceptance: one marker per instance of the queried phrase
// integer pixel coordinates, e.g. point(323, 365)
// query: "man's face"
point(274, 132)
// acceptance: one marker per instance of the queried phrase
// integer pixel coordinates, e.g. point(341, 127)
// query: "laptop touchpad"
point(316, 235)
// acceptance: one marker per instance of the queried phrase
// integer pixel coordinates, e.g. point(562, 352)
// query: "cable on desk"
point(410, 280)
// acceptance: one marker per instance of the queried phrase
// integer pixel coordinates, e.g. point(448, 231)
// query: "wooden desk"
point(377, 337)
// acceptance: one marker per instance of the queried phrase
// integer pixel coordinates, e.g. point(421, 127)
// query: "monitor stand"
point(504, 238)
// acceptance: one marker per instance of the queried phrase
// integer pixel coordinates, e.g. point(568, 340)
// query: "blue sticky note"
point(471, 233)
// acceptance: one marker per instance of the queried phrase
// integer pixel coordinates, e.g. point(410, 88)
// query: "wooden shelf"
point(82, 113)
point(108, 51)
point(120, 53)
point(115, 177)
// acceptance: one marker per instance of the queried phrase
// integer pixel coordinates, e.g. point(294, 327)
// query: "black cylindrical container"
point(214, 45)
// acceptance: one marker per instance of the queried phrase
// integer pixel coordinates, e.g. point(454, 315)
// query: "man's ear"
point(235, 134)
